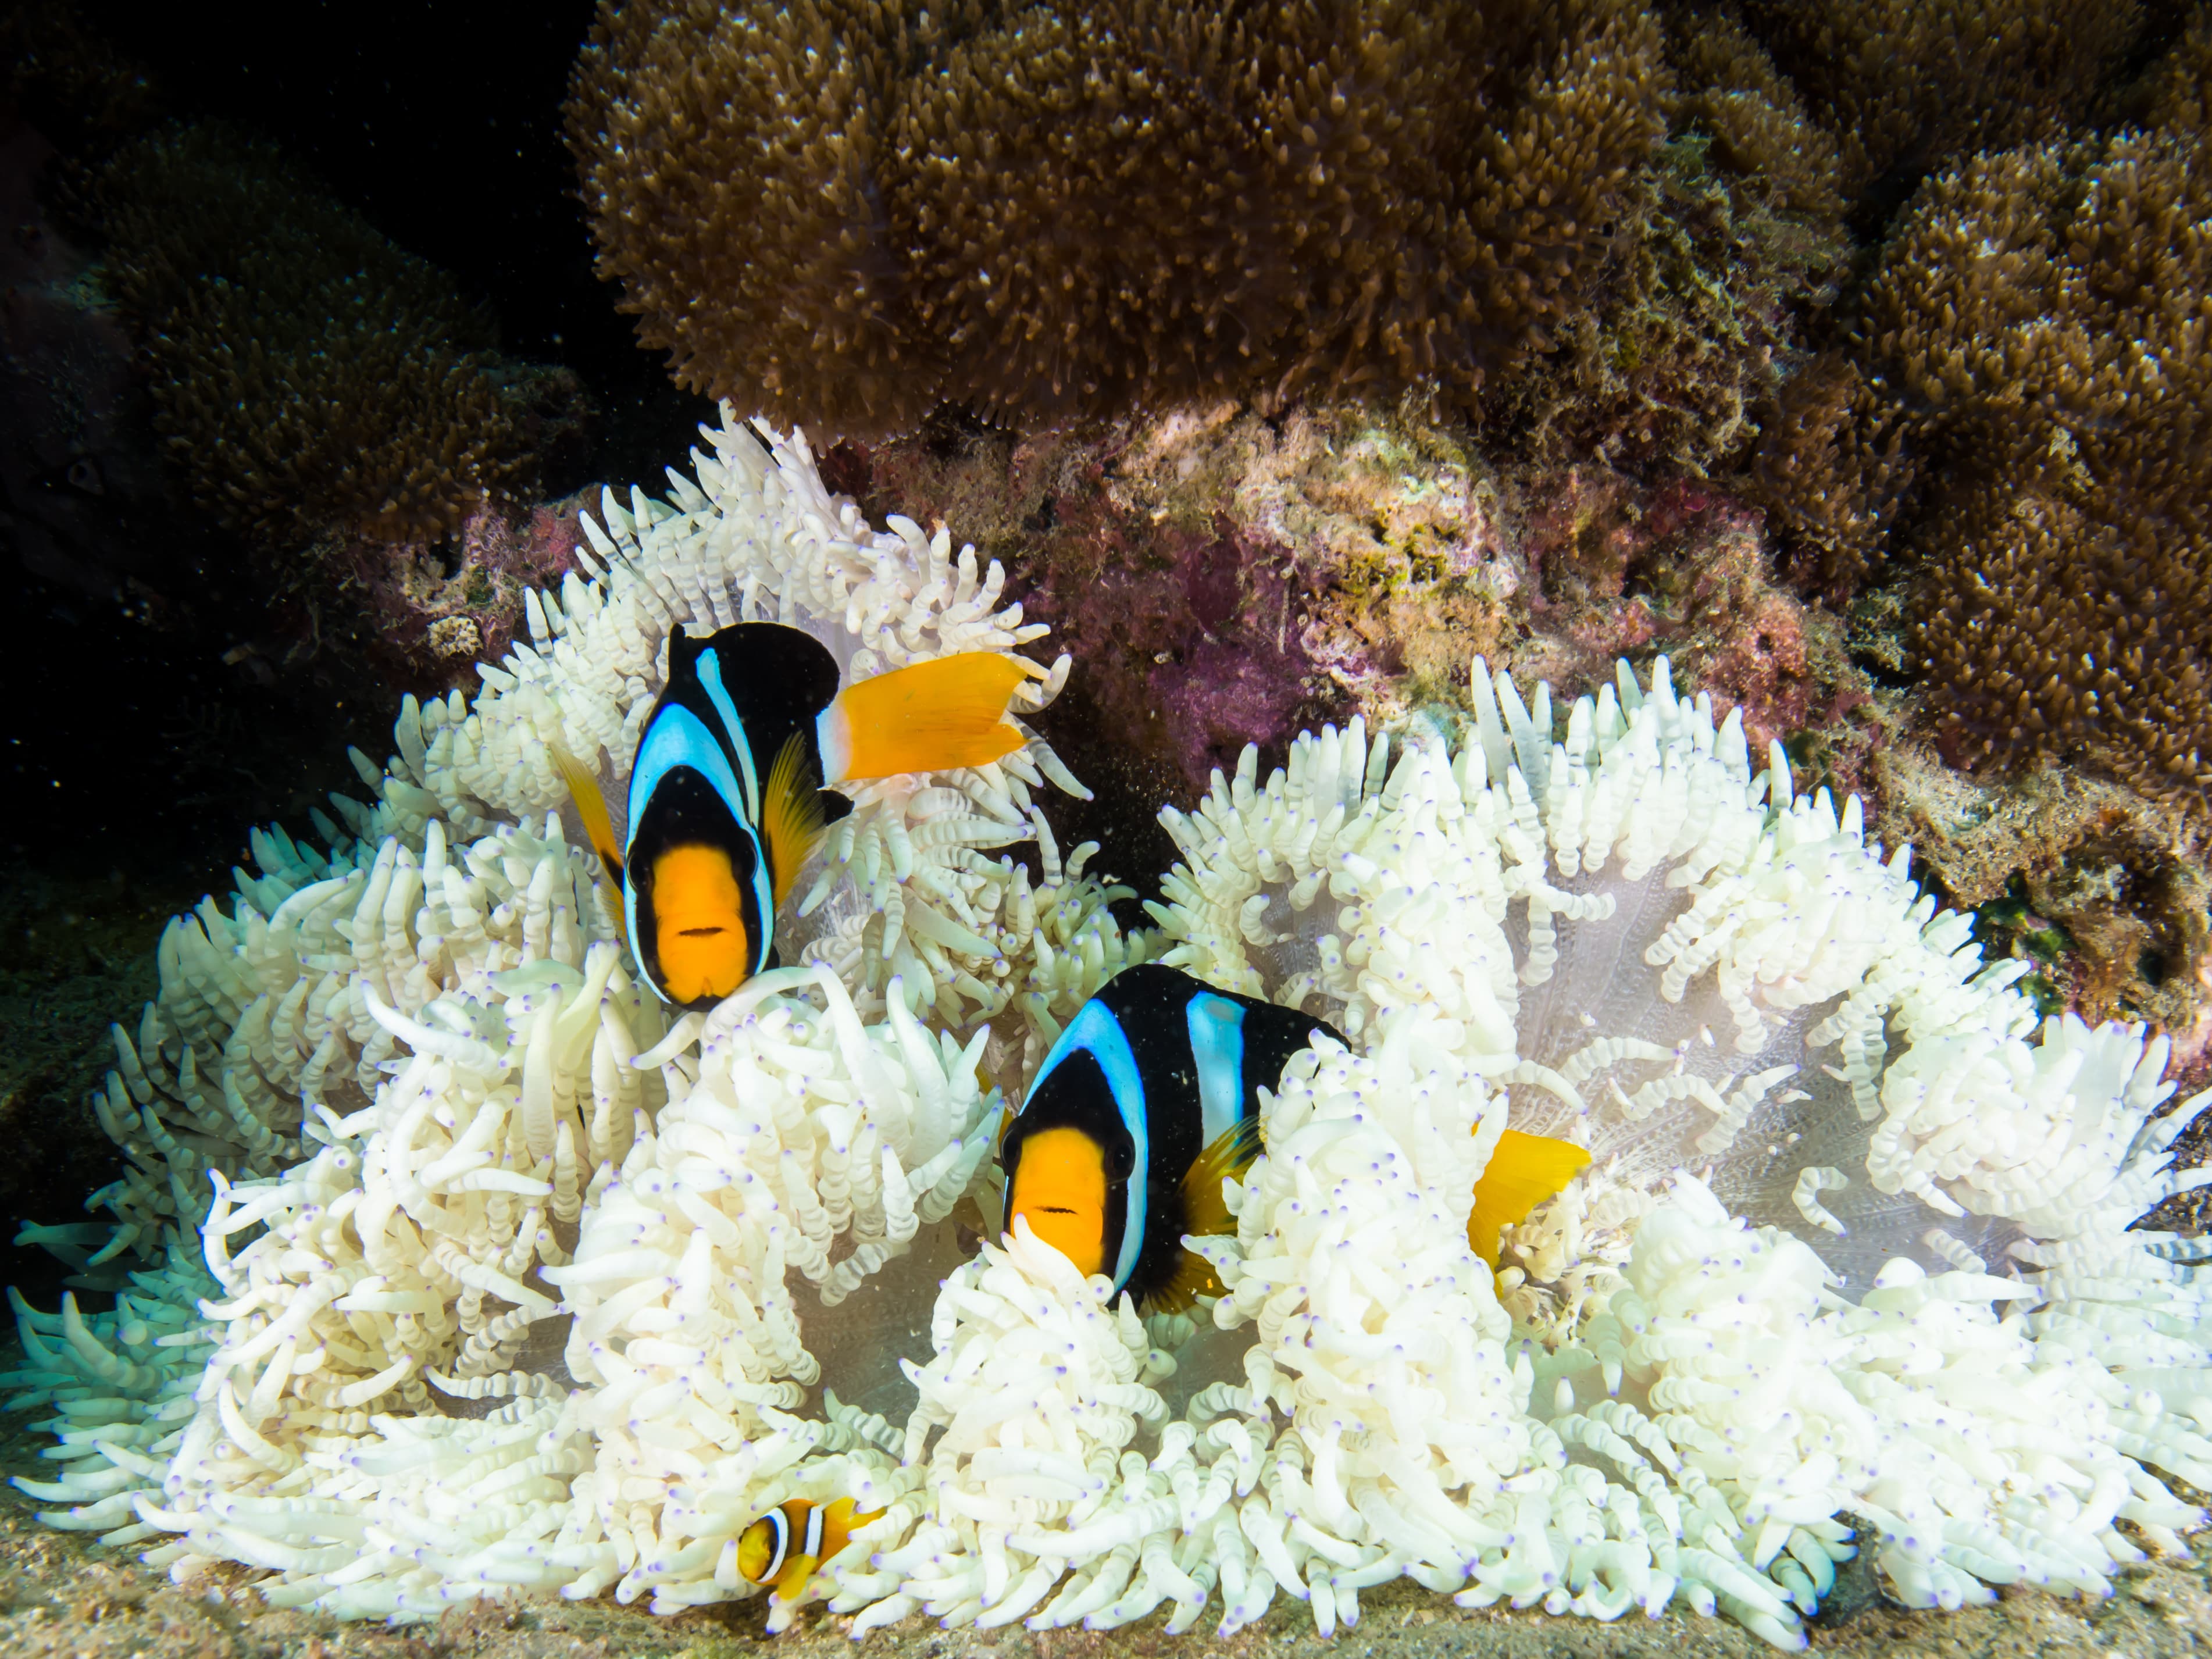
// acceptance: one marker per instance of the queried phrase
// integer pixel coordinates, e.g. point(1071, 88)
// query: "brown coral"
point(308, 375)
point(2180, 89)
point(1730, 235)
point(1832, 471)
point(1905, 86)
point(2042, 316)
point(844, 213)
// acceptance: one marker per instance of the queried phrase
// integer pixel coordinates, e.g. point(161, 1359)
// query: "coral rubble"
point(490, 1285)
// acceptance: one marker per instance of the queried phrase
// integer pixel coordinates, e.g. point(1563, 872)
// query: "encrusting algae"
point(451, 1263)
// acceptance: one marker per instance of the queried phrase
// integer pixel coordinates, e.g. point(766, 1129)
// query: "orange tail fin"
point(1524, 1171)
point(924, 718)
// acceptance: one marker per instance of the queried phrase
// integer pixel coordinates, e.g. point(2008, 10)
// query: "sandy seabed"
point(64, 1596)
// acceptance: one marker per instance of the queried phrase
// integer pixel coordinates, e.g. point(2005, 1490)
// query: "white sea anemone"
point(1690, 940)
point(413, 1064)
point(498, 1283)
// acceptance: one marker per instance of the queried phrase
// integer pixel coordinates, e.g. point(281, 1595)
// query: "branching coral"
point(1052, 214)
point(1833, 469)
point(1732, 229)
point(2180, 90)
point(309, 376)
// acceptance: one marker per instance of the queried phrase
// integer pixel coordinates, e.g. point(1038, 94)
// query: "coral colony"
point(449, 1266)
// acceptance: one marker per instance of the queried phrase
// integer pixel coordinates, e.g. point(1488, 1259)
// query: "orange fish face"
point(1060, 1186)
point(699, 928)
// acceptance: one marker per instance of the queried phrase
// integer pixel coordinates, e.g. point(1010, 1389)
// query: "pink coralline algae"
point(429, 612)
point(1225, 578)
point(1623, 569)
point(1204, 627)
point(1198, 629)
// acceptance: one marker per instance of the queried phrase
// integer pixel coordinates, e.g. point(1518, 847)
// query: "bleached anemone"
point(1679, 965)
point(478, 1278)
point(1635, 943)
point(408, 1072)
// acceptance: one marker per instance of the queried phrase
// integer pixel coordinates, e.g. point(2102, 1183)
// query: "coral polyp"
point(481, 1277)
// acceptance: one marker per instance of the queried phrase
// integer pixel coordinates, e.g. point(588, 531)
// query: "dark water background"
point(137, 757)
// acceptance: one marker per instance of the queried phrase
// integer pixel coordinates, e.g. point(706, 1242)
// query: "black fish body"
point(727, 793)
point(1161, 1073)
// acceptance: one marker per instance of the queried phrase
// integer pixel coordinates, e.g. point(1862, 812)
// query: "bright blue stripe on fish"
point(710, 670)
point(1216, 1043)
point(1094, 1030)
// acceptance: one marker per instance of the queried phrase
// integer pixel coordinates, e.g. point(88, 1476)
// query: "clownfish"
point(727, 796)
point(785, 1546)
point(1151, 1098)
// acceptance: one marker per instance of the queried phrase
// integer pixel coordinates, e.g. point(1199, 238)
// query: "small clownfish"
point(1150, 1100)
point(785, 1546)
point(727, 794)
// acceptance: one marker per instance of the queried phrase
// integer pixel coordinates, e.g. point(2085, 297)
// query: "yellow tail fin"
point(791, 816)
point(591, 806)
point(924, 718)
point(1204, 1212)
point(1524, 1171)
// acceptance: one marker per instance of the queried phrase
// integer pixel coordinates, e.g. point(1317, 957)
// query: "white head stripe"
point(779, 1528)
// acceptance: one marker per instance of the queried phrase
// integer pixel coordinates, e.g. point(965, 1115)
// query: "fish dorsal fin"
point(591, 806)
point(1524, 1172)
point(1207, 1213)
point(791, 817)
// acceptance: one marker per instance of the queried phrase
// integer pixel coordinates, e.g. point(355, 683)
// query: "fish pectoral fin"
point(590, 807)
point(1205, 1210)
point(1524, 1172)
point(791, 816)
point(928, 717)
point(1205, 1213)
point(791, 1583)
point(1193, 1277)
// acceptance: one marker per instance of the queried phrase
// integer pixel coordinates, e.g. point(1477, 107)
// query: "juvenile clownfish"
point(1150, 1100)
point(785, 1546)
point(727, 795)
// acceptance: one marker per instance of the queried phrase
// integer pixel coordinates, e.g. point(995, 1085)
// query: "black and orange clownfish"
point(785, 1546)
point(727, 795)
point(1150, 1099)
